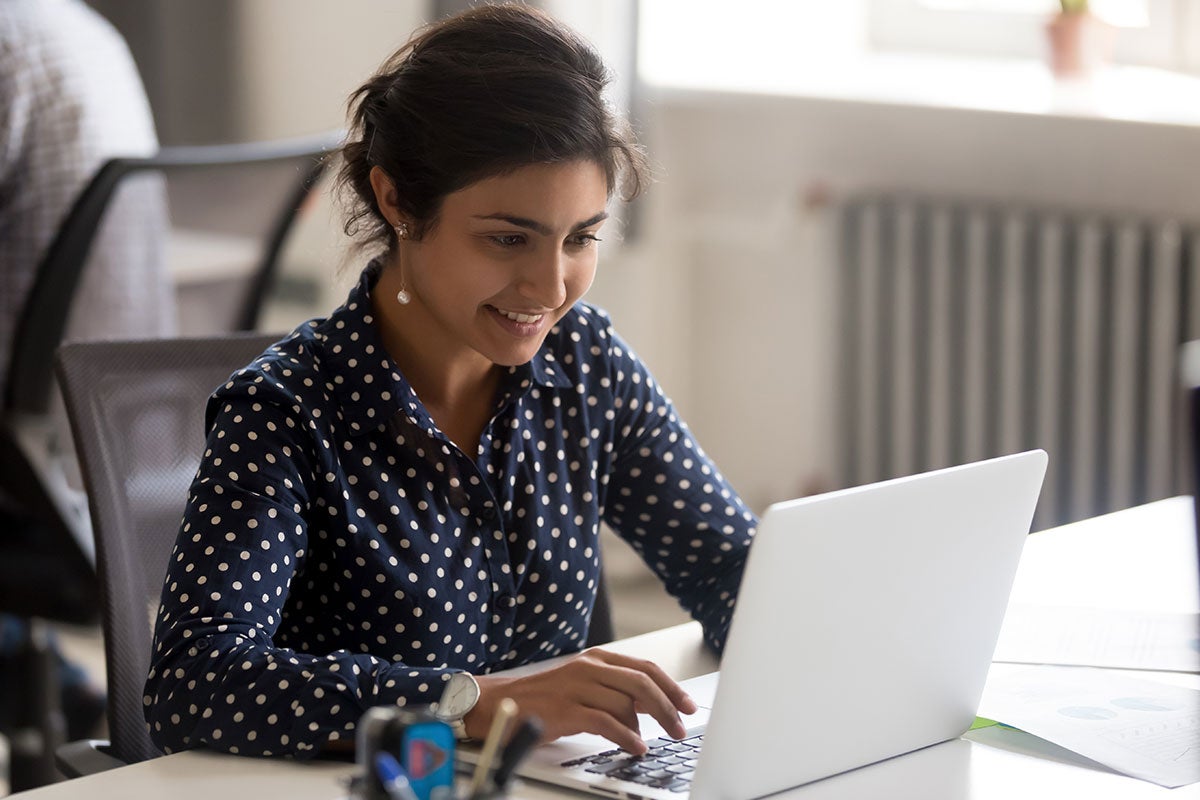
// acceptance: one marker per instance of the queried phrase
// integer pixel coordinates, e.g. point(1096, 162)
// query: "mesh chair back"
point(600, 630)
point(137, 414)
point(1189, 369)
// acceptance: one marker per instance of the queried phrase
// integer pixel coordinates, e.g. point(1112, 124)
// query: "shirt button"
point(489, 512)
point(506, 601)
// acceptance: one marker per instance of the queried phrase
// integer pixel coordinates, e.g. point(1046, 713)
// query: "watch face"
point(459, 696)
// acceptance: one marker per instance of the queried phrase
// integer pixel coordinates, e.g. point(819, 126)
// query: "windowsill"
point(1127, 93)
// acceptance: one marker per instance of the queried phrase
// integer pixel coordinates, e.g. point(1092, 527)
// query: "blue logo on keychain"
point(427, 754)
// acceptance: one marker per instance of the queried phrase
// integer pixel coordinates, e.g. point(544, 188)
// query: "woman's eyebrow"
point(538, 227)
point(589, 222)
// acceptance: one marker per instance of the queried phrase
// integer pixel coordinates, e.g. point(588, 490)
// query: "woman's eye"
point(508, 239)
point(584, 239)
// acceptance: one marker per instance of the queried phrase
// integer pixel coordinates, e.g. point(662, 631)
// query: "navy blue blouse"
point(338, 551)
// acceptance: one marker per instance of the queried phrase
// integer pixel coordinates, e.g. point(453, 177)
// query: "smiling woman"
point(402, 501)
point(508, 257)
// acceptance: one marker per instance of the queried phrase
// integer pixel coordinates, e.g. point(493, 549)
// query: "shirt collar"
point(370, 387)
point(542, 370)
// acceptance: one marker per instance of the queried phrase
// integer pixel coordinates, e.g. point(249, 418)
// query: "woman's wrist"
point(492, 689)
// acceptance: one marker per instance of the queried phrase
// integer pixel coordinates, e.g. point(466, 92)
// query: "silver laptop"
point(864, 629)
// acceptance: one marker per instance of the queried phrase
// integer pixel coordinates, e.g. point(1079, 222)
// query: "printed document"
point(1137, 727)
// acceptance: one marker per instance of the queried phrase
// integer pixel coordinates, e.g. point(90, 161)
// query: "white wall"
point(729, 292)
point(300, 59)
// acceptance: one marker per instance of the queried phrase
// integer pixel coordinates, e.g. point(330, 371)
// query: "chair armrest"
point(85, 757)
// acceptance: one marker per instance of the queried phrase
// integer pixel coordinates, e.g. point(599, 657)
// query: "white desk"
point(1143, 558)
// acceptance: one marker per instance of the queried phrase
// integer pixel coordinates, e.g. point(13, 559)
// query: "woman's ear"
point(386, 198)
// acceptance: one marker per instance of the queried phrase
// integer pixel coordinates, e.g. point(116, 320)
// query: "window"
point(960, 53)
point(1160, 33)
point(744, 44)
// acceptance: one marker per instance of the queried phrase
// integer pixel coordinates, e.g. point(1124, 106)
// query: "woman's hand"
point(594, 692)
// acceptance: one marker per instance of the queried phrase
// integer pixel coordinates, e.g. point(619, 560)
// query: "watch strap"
point(459, 729)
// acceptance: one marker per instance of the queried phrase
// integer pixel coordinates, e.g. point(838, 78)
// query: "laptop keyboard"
point(668, 764)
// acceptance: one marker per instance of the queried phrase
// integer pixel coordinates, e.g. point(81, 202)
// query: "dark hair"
point(479, 94)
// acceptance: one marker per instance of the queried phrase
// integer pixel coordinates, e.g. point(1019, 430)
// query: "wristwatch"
point(458, 698)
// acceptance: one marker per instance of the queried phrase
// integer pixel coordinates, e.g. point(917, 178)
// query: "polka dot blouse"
point(338, 551)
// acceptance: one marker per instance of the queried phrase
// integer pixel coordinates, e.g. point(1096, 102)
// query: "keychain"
point(406, 754)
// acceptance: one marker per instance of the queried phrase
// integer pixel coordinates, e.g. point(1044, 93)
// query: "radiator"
point(974, 329)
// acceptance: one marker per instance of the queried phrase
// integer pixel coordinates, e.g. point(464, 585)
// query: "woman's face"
point(507, 258)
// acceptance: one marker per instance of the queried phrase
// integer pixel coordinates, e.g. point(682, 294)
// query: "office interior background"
point(885, 235)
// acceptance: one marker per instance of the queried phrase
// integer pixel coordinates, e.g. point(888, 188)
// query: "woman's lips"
point(518, 323)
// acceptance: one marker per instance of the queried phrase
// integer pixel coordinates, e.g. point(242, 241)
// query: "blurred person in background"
point(70, 99)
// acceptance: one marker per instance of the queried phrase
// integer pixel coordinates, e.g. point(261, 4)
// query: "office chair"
point(1189, 371)
point(600, 631)
point(45, 316)
point(137, 415)
point(262, 189)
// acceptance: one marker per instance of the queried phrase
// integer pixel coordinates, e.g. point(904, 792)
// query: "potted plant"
point(1079, 40)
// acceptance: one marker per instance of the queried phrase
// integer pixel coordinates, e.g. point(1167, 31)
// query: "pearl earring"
point(402, 296)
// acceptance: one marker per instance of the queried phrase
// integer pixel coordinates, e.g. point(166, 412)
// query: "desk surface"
point(1143, 559)
point(1139, 559)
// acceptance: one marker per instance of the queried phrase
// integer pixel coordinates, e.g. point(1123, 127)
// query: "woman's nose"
point(544, 280)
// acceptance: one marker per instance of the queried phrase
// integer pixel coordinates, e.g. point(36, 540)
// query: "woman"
point(401, 501)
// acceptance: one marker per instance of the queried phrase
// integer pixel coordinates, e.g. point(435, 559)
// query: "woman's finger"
point(602, 724)
point(674, 692)
point(615, 703)
point(643, 681)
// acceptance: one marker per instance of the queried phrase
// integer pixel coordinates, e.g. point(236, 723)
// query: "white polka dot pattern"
point(338, 551)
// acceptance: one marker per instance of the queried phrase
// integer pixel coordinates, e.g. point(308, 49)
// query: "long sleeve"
point(668, 500)
point(218, 676)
